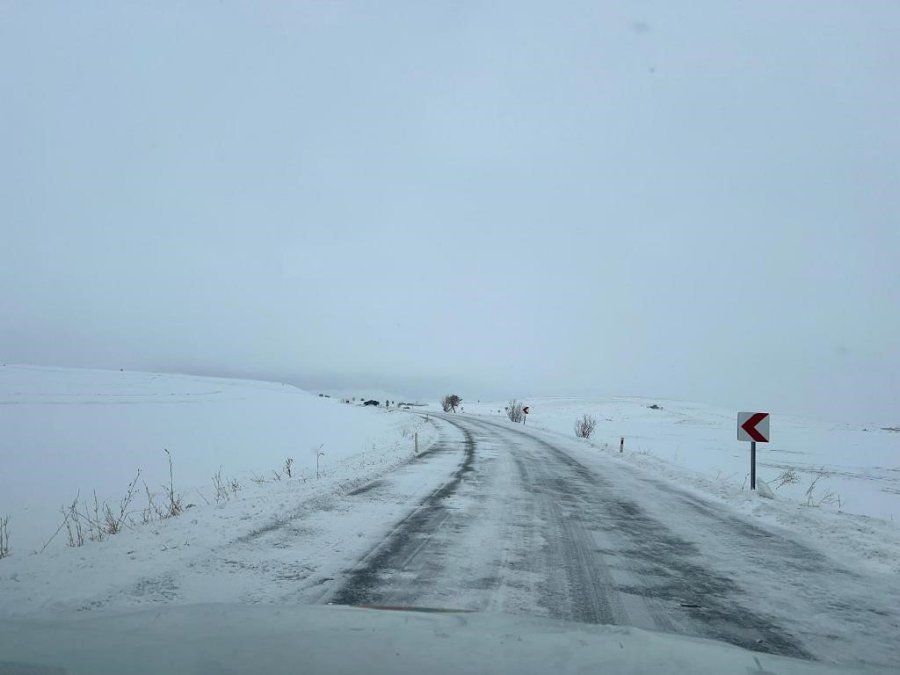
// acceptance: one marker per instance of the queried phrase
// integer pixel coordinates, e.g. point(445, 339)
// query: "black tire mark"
point(397, 549)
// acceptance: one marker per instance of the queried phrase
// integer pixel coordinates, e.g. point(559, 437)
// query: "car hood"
point(263, 639)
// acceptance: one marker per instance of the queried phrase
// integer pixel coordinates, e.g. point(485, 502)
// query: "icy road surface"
point(523, 525)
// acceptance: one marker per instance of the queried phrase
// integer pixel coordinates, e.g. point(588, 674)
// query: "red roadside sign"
point(753, 426)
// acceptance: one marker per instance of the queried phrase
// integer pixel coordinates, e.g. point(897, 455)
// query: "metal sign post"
point(752, 465)
point(525, 410)
point(753, 427)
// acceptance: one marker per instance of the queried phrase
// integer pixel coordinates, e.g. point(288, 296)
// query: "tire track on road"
point(403, 544)
point(522, 524)
point(643, 566)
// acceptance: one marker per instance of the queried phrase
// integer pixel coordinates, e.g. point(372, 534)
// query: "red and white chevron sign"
point(753, 426)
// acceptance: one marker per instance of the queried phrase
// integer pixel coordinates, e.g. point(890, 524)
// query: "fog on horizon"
point(698, 201)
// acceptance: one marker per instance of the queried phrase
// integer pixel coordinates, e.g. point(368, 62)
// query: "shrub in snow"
point(788, 477)
point(826, 496)
point(584, 428)
point(72, 521)
point(174, 506)
point(514, 411)
point(115, 520)
point(95, 521)
point(92, 521)
point(224, 489)
point(220, 487)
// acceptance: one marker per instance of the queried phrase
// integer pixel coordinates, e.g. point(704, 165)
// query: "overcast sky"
point(695, 200)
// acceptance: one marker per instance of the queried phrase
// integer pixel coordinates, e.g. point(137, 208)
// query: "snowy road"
point(492, 517)
point(527, 523)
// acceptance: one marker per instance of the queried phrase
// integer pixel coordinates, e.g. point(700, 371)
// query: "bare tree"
point(584, 428)
point(450, 402)
point(514, 411)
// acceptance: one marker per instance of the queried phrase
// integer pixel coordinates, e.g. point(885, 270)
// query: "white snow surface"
point(69, 431)
point(280, 541)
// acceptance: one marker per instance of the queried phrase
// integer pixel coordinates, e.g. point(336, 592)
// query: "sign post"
point(753, 427)
point(752, 465)
point(525, 410)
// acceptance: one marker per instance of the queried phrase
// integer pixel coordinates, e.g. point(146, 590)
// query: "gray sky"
point(693, 200)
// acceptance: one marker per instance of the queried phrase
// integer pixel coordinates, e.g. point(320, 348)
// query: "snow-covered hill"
point(71, 431)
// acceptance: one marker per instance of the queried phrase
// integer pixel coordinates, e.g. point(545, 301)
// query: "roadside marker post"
point(621, 444)
point(525, 410)
point(753, 427)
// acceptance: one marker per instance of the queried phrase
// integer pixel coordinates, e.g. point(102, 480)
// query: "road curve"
point(523, 526)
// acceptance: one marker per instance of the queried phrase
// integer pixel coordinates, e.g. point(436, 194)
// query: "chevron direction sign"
point(753, 426)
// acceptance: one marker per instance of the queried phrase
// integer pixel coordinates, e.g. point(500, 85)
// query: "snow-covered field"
point(70, 431)
point(854, 471)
